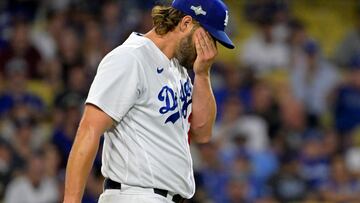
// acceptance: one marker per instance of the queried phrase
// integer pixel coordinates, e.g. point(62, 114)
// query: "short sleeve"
point(117, 85)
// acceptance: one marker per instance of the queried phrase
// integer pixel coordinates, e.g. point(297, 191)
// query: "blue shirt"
point(347, 109)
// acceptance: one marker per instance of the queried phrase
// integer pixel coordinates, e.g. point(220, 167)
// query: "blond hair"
point(165, 19)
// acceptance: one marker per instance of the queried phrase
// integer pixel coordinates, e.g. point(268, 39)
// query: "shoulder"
point(120, 53)
point(127, 53)
point(119, 60)
point(135, 45)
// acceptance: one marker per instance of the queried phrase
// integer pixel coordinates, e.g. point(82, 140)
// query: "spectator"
point(16, 90)
point(64, 134)
point(349, 46)
point(281, 19)
point(250, 175)
point(255, 130)
point(352, 153)
point(6, 166)
point(52, 75)
point(287, 185)
point(51, 167)
point(114, 30)
point(213, 173)
point(296, 40)
point(234, 86)
point(46, 39)
point(22, 141)
point(347, 102)
point(94, 47)
point(34, 186)
point(331, 143)
point(293, 120)
point(248, 164)
point(69, 51)
point(314, 163)
point(313, 80)
point(252, 126)
point(263, 104)
point(341, 187)
point(20, 118)
point(76, 88)
point(21, 49)
point(144, 25)
point(262, 52)
point(239, 189)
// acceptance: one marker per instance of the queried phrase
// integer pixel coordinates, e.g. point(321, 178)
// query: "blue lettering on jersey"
point(185, 93)
point(169, 98)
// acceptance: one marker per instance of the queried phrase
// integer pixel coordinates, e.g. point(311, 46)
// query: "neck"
point(165, 43)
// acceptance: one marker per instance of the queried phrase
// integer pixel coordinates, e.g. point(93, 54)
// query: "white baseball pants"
point(130, 194)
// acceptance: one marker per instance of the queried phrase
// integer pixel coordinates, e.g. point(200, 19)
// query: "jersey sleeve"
point(117, 85)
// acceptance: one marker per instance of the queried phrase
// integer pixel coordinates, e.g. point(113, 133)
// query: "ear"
point(186, 24)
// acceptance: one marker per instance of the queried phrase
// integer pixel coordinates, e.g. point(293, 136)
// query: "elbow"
point(201, 135)
point(203, 139)
point(88, 131)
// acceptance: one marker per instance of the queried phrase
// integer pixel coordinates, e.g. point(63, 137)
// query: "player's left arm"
point(203, 101)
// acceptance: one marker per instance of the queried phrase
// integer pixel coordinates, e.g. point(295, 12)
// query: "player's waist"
point(110, 184)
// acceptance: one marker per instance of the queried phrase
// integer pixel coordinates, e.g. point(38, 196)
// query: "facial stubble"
point(186, 52)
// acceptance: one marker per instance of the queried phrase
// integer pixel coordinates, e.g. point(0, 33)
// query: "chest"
point(169, 95)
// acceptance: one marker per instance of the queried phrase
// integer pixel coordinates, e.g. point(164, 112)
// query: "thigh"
point(115, 196)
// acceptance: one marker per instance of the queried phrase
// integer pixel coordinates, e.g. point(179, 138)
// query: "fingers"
point(199, 48)
point(203, 41)
point(206, 51)
point(206, 42)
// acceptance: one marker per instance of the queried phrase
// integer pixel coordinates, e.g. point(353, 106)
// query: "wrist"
point(202, 74)
point(202, 69)
point(71, 200)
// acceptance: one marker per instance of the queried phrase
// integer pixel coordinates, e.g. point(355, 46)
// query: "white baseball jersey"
point(149, 98)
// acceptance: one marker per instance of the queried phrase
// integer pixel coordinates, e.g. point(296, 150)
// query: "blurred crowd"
point(288, 124)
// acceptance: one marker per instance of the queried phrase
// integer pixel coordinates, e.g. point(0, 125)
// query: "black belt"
point(110, 184)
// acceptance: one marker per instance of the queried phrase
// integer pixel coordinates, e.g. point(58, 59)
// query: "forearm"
point(80, 162)
point(203, 109)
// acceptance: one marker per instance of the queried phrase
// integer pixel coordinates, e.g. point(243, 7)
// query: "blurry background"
point(288, 96)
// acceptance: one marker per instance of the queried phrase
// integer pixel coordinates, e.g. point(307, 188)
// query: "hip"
point(131, 194)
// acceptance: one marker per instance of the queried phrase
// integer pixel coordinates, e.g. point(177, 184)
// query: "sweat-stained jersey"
point(149, 98)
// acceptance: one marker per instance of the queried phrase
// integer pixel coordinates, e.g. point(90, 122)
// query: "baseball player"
point(144, 103)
